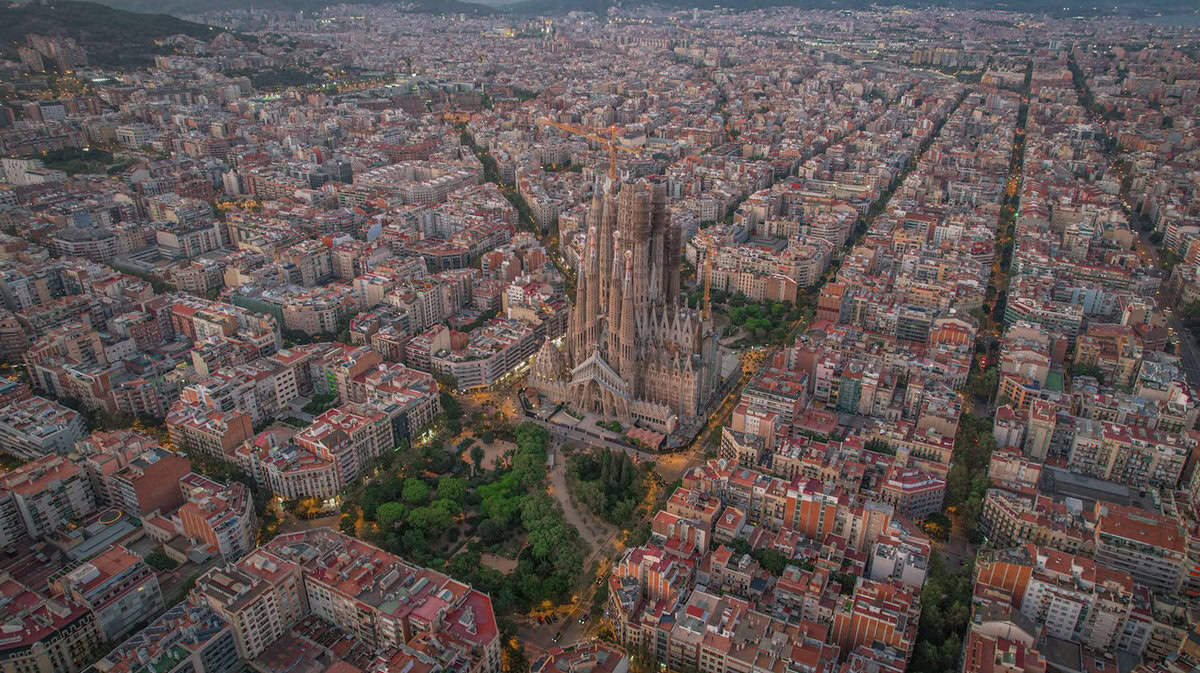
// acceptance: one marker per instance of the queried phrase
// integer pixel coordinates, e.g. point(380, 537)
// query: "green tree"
point(452, 488)
point(415, 491)
point(450, 507)
point(529, 463)
point(591, 494)
point(430, 520)
point(492, 532)
point(1087, 370)
point(772, 560)
point(453, 411)
point(501, 500)
point(879, 446)
point(391, 513)
point(413, 543)
point(639, 535)
point(465, 563)
point(958, 484)
point(160, 561)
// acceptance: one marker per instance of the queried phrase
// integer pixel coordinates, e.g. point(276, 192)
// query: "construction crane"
point(594, 135)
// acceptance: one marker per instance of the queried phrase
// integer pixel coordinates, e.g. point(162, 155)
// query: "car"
point(557, 635)
point(583, 619)
point(554, 618)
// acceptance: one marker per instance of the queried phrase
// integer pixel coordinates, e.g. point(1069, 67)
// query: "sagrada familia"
point(633, 351)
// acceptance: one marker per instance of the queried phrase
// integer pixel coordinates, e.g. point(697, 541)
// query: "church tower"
point(635, 352)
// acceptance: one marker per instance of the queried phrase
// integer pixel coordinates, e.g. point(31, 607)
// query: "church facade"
point(633, 351)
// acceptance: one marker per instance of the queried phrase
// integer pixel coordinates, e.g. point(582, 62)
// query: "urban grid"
point(552, 336)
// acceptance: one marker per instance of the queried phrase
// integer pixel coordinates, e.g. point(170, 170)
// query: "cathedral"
point(633, 351)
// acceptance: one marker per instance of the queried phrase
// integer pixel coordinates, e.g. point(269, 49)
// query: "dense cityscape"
point(420, 338)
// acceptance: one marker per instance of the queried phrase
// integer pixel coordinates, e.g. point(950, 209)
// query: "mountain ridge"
point(174, 8)
point(111, 36)
point(193, 7)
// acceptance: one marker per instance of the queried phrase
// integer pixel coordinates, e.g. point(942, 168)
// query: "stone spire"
point(595, 316)
point(581, 320)
point(627, 362)
point(606, 225)
point(614, 298)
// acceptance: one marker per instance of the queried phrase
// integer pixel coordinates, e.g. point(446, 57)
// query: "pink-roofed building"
point(118, 587)
point(729, 525)
point(43, 496)
point(914, 494)
point(381, 598)
point(287, 469)
point(219, 515)
point(45, 635)
point(195, 427)
point(595, 656)
point(351, 437)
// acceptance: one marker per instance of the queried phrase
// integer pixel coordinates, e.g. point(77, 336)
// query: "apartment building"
point(883, 612)
point(914, 494)
point(350, 437)
point(194, 427)
point(652, 612)
point(139, 397)
point(1070, 597)
point(47, 493)
point(988, 652)
point(260, 597)
point(595, 656)
point(186, 240)
point(1010, 517)
point(408, 396)
point(491, 352)
point(307, 263)
point(287, 469)
point(260, 388)
point(187, 638)
point(783, 391)
point(1150, 547)
point(376, 596)
point(901, 556)
point(320, 310)
point(45, 635)
point(811, 507)
point(118, 587)
point(35, 426)
point(219, 515)
point(148, 483)
point(419, 351)
point(104, 454)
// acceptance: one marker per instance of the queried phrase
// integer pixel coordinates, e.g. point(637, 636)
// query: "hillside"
point(112, 37)
point(192, 7)
point(535, 7)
